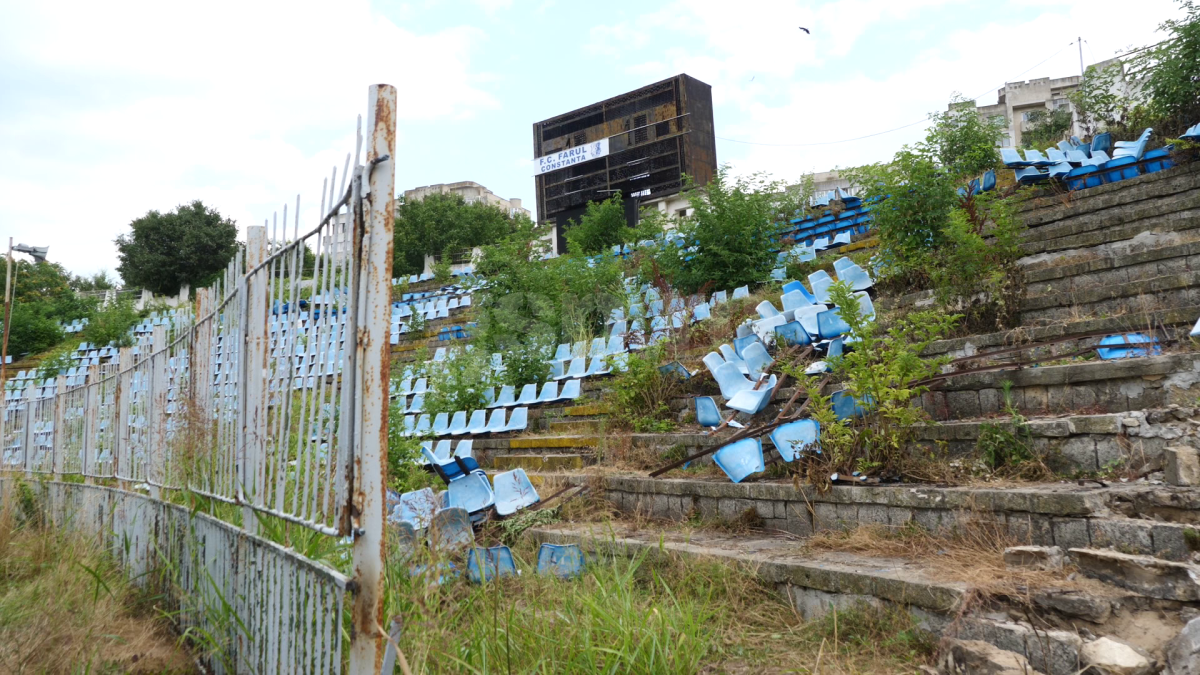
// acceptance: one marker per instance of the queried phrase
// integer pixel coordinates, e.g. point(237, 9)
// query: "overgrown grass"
point(635, 615)
point(66, 608)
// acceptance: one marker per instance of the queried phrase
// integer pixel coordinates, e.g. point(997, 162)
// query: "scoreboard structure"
point(639, 143)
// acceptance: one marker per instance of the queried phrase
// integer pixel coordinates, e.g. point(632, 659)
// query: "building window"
point(640, 134)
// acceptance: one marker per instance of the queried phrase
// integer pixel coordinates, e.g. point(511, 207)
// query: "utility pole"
point(1080, 41)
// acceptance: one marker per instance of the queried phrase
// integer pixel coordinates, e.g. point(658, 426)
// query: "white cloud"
point(113, 110)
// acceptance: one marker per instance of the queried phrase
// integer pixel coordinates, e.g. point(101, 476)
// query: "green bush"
point(111, 324)
point(601, 226)
point(1167, 75)
point(30, 329)
point(526, 363)
point(442, 224)
point(459, 383)
point(732, 227)
point(639, 395)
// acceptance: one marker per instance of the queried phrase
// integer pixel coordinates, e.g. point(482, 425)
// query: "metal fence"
point(270, 393)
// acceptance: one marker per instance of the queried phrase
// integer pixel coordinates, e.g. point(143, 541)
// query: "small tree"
point(1168, 74)
point(1047, 127)
point(731, 229)
point(440, 224)
point(1097, 101)
point(163, 251)
point(601, 227)
point(962, 142)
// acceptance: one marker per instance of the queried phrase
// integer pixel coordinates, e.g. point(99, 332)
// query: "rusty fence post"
point(252, 397)
point(59, 436)
point(156, 417)
point(371, 381)
point(27, 443)
point(91, 416)
point(124, 397)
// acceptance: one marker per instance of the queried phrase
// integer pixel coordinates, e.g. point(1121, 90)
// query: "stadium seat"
point(450, 529)
point(564, 561)
point(795, 438)
point(740, 459)
point(506, 397)
point(752, 401)
point(707, 412)
point(485, 564)
point(513, 492)
point(519, 421)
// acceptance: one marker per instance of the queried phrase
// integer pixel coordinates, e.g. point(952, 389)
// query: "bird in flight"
point(805, 30)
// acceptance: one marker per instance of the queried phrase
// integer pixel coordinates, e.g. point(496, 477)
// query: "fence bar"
point(253, 423)
point(371, 380)
point(59, 434)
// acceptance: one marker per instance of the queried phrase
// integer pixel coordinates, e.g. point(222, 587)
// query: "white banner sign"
point(572, 156)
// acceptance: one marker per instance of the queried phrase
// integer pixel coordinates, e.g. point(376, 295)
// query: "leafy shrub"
point(405, 474)
point(525, 363)
point(732, 227)
point(459, 382)
point(111, 324)
point(31, 330)
point(639, 396)
point(1167, 75)
point(880, 372)
point(601, 226)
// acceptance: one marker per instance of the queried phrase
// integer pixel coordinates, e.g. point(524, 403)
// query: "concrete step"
point(816, 582)
point(1083, 386)
point(558, 462)
point(1137, 518)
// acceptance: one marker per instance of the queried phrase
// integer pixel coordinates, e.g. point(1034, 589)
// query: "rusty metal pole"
point(91, 407)
point(156, 469)
point(8, 295)
point(373, 363)
point(59, 435)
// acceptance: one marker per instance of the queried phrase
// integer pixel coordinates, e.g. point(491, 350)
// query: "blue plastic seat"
point(1157, 160)
point(478, 422)
point(1082, 177)
point(578, 368)
point(820, 281)
point(700, 312)
point(563, 352)
point(441, 423)
point(732, 357)
point(513, 491)
point(675, 369)
point(740, 459)
point(719, 297)
point(730, 379)
point(1036, 158)
point(529, 395)
point(795, 438)
point(741, 343)
point(402, 539)
point(450, 529)
point(1120, 168)
point(707, 412)
point(423, 426)
point(845, 405)
point(831, 325)
point(464, 449)
point(519, 421)
point(472, 492)
point(792, 334)
point(597, 366)
point(1129, 345)
point(410, 425)
point(418, 507)
point(571, 390)
point(564, 561)
point(1012, 159)
point(807, 317)
point(549, 392)
point(795, 300)
point(495, 422)
point(766, 310)
point(416, 404)
point(485, 564)
point(752, 401)
point(1031, 175)
point(741, 292)
point(757, 359)
point(857, 277)
point(1102, 143)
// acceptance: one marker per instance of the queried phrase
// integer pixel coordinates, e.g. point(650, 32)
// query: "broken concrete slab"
point(1109, 656)
point(1034, 557)
point(1181, 465)
point(1075, 604)
point(1054, 652)
point(1142, 574)
point(976, 657)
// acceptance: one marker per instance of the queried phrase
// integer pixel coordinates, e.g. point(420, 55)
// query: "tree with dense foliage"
point(600, 228)
point(163, 251)
point(1047, 128)
point(443, 223)
point(961, 142)
point(1167, 75)
point(728, 239)
point(42, 297)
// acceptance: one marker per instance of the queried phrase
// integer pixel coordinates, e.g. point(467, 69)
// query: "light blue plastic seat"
point(405, 387)
point(465, 449)
point(495, 422)
point(441, 423)
point(616, 345)
point(529, 395)
point(795, 300)
point(513, 491)
point(732, 357)
point(549, 392)
point(807, 316)
point(564, 561)
point(701, 312)
point(841, 265)
point(857, 277)
point(423, 426)
point(519, 421)
point(563, 352)
point(731, 380)
point(675, 369)
point(402, 538)
point(752, 401)
point(712, 361)
point(831, 325)
point(794, 439)
point(792, 334)
point(478, 422)
point(485, 564)
point(719, 297)
point(571, 390)
point(767, 310)
point(840, 239)
point(741, 343)
point(418, 507)
point(577, 368)
point(764, 329)
point(556, 369)
point(597, 366)
point(757, 359)
point(707, 412)
point(1012, 159)
point(741, 292)
point(598, 347)
point(740, 459)
point(441, 451)
point(1030, 176)
point(1036, 158)
point(410, 425)
point(845, 405)
point(506, 397)
point(450, 529)
point(1129, 345)
point(820, 281)
point(416, 404)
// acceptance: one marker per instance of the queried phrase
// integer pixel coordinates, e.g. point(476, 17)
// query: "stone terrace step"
point(1088, 386)
point(1056, 514)
point(1162, 202)
point(1086, 442)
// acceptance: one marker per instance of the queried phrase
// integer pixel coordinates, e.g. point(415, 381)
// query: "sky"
point(110, 110)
